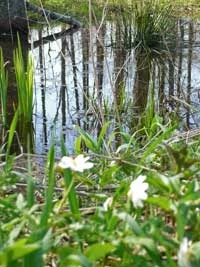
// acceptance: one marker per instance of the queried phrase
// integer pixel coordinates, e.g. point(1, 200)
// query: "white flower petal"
point(108, 203)
point(65, 162)
point(137, 192)
point(141, 178)
point(78, 163)
point(183, 253)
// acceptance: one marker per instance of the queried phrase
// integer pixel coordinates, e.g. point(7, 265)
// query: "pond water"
point(79, 79)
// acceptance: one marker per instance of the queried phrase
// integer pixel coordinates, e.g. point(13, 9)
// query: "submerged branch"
point(53, 15)
point(54, 37)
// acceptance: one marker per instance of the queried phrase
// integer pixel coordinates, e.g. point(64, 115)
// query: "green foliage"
point(95, 146)
point(74, 230)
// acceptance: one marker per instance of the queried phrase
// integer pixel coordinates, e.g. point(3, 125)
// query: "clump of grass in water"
point(24, 80)
point(154, 27)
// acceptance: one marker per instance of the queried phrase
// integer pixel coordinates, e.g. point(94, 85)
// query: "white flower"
point(137, 191)
point(183, 253)
point(112, 163)
point(108, 203)
point(78, 163)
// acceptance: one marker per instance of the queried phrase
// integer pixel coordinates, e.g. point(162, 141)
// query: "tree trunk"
point(13, 16)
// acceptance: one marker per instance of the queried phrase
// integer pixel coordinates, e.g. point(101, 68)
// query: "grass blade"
point(50, 189)
point(3, 88)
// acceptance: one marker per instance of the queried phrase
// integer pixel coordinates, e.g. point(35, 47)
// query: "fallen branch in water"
point(55, 36)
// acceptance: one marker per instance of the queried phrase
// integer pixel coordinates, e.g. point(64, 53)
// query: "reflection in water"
point(189, 73)
point(141, 84)
point(171, 78)
point(98, 73)
point(120, 55)
point(63, 87)
point(43, 87)
point(180, 56)
point(85, 73)
point(74, 68)
point(69, 66)
point(161, 88)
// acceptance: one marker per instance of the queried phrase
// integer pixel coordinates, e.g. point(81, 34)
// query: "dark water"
point(80, 78)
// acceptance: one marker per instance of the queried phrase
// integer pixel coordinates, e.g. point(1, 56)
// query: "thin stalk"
point(3, 88)
point(50, 189)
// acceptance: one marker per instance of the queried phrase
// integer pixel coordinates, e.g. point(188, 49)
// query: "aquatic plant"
point(153, 27)
point(24, 80)
point(154, 43)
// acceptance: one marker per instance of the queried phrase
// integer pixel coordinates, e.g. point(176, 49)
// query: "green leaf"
point(191, 197)
point(63, 147)
point(112, 223)
point(182, 214)
point(17, 250)
point(70, 258)
point(155, 143)
point(75, 260)
point(195, 250)
point(98, 251)
point(41, 235)
point(50, 189)
point(12, 132)
point(131, 223)
point(147, 243)
point(15, 232)
point(78, 144)
point(162, 202)
point(160, 182)
point(20, 203)
point(164, 183)
point(47, 241)
point(108, 175)
point(89, 141)
point(71, 192)
point(102, 135)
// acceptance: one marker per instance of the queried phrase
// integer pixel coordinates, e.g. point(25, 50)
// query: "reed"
point(24, 80)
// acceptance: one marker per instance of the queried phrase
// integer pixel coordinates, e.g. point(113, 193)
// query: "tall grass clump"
point(24, 80)
point(153, 27)
point(3, 88)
